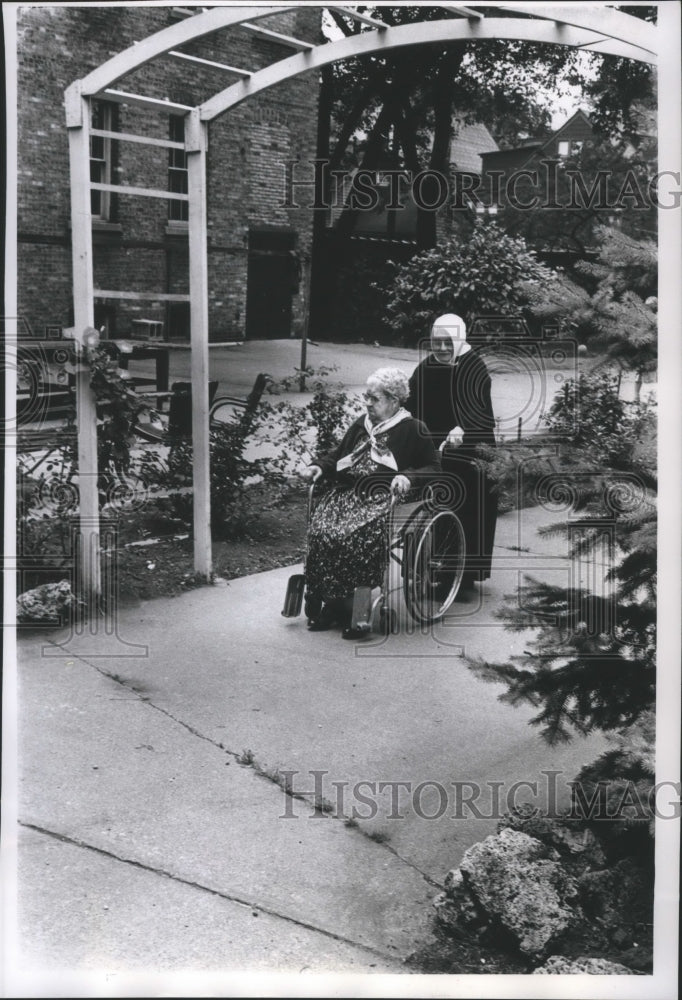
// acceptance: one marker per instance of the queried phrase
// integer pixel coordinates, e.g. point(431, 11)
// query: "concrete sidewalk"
point(154, 833)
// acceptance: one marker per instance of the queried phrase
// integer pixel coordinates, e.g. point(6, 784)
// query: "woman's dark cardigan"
point(409, 442)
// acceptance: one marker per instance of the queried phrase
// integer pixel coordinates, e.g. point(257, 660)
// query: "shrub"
point(46, 501)
point(297, 432)
point(119, 408)
point(230, 474)
point(279, 436)
point(490, 272)
point(621, 784)
point(588, 412)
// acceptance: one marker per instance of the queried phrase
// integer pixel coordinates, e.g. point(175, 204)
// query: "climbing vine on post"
point(119, 408)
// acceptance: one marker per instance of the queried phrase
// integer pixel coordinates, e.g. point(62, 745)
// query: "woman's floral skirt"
point(346, 543)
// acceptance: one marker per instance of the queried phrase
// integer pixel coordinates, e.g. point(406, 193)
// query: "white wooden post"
point(196, 143)
point(78, 124)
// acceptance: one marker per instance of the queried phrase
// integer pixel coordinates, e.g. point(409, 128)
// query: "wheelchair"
point(423, 565)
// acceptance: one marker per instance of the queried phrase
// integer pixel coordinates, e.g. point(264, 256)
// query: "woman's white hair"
point(393, 381)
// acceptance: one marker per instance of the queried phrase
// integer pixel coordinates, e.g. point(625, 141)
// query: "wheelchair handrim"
point(428, 570)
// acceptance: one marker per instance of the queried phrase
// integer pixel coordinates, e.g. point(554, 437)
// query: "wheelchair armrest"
point(413, 495)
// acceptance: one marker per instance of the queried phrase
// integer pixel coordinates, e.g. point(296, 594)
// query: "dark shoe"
point(312, 606)
point(466, 591)
point(320, 625)
point(326, 619)
point(360, 632)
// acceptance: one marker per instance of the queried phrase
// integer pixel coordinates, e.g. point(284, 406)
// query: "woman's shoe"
point(359, 632)
point(320, 625)
point(327, 618)
point(467, 591)
point(312, 606)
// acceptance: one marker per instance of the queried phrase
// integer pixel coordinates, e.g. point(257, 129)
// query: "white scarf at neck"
point(377, 449)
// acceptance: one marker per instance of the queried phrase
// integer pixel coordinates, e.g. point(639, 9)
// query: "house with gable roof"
point(565, 142)
point(528, 176)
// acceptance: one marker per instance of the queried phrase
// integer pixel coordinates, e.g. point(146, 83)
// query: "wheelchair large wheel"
point(433, 564)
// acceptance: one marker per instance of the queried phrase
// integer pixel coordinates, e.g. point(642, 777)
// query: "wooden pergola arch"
point(601, 30)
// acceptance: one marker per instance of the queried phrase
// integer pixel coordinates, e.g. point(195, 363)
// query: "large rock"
point(456, 908)
point(620, 900)
point(569, 837)
point(557, 965)
point(519, 883)
point(47, 604)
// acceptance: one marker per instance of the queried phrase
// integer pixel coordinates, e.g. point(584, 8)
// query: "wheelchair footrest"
point(361, 615)
point(293, 599)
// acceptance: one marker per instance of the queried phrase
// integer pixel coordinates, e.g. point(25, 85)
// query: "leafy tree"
point(396, 110)
point(576, 199)
point(617, 87)
point(399, 107)
point(621, 99)
point(489, 272)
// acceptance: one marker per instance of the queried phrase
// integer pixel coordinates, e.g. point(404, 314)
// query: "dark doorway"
point(105, 320)
point(272, 280)
point(178, 320)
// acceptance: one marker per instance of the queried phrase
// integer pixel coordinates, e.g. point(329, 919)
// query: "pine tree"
point(590, 661)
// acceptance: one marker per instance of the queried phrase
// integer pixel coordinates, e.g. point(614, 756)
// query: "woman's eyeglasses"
point(371, 397)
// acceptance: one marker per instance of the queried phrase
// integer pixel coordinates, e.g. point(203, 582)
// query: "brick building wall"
point(137, 247)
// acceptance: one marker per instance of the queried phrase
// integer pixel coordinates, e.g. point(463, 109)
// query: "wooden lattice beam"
point(209, 62)
point(141, 101)
point(462, 11)
point(169, 38)
point(373, 22)
point(275, 36)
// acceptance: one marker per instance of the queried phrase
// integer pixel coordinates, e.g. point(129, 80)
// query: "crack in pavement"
point(228, 897)
point(258, 769)
point(275, 779)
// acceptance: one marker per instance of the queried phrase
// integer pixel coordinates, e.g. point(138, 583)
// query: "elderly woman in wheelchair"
point(384, 456)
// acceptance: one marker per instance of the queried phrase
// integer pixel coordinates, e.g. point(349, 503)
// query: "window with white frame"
point(178, 211)
point(566, 148)
point(103, 119)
